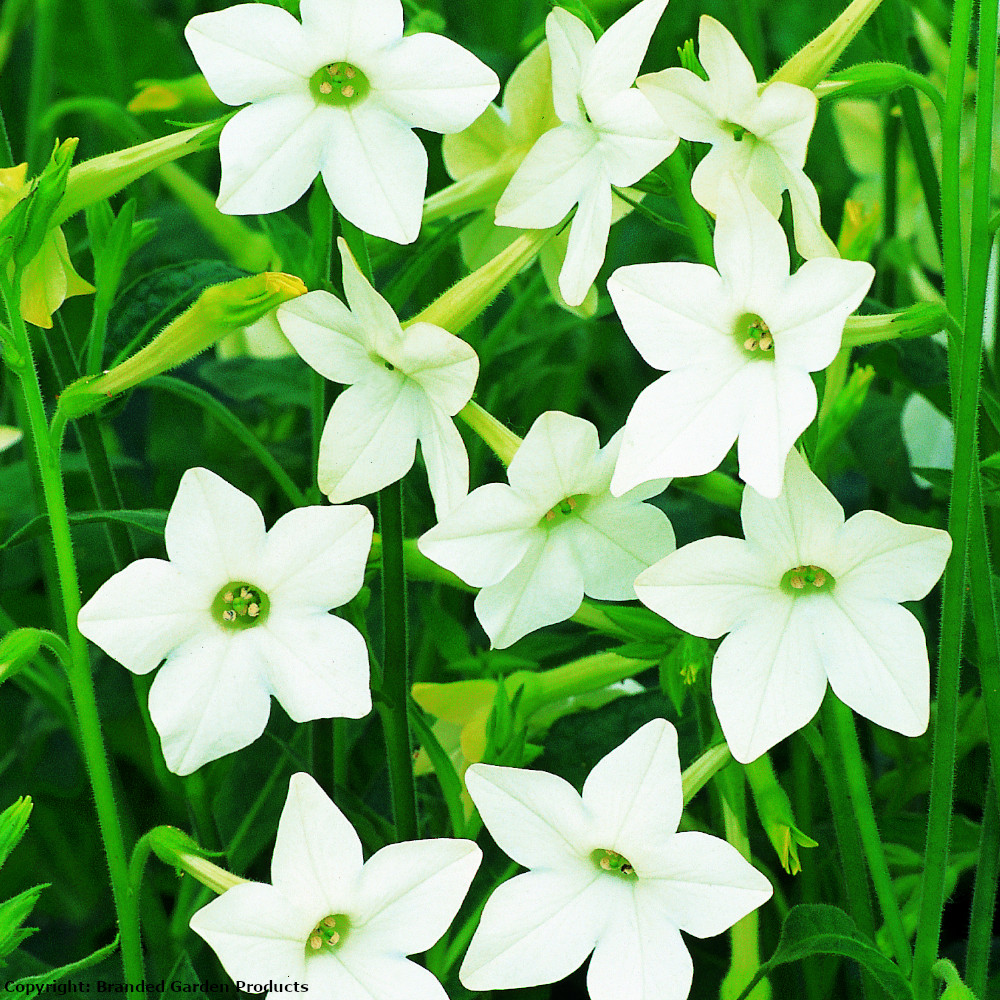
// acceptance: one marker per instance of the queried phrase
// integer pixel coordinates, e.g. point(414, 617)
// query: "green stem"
point(78, 673)
point(6, 154)
point(693, 214)
point(40, 83)
point(838, 724)
point(984, 896)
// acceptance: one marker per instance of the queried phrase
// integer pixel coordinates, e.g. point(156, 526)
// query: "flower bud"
point(870, 79)
point(775, 812)
point(176, 848)
point(18, 648)
point(922, 319)
point(13, 825)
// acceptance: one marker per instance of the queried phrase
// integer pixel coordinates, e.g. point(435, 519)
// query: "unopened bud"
point(176, 848)
point(866, 80)
point(775, 811)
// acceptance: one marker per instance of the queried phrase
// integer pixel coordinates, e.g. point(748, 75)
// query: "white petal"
point(544, 588)
point(251, 51)
point(640, 955)
point(317, 854)
point(570, 43)
point(375, 171)
point(928, 434)
point(782, 405)
point(801, 525)
point(536, 818)
point(810, 237)
point(675, 314)
point(552, 178)
point(704, 885)
point(271, 151)
point(556, 458)
point(314, 558)
point(209, 699)
point(685, 103)
point(317, 666)
point(370, 438)
point(146, 610)
point(783, 118)
point(354, 972)
point(634, 793)
point(613, 63)
point(353, 29)
point(536, 928)
point(485, 537)
point(588, 241)
point(875, 654)
point(708, 586)
point(375, 316)
point(729, 71)
point(527, 97)
point(444, 454)
point(326, 336)
point(432, 82)
point(766, 678)
point(409, 893)
point(258, 933)
point(444, 365)
point(756, 167)
point(213, 529)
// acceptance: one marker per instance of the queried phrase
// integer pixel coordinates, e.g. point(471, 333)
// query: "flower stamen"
point(806, 579)
point(754, 335)
point(339, 84)
point(328, 933)
point(240, 605)
point(613, 863)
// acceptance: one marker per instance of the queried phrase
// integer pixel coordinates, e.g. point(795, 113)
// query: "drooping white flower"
point(609, 135)
point(738, 345)
point(555, 533)
point(805, 599)
point(405, 386)
point(609, 874)
point(240, 614)
point(338, 94)
point(758, 133)
point(340, 927)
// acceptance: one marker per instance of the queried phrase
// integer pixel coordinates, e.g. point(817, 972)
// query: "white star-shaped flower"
point(805, 599)
point(738, 344)
point(405, 386)
point(240, 614)
point(609, 135)
point(340, 927)
point(338, 94)
point(609, 874)
point(555, 533)
point(758, 133)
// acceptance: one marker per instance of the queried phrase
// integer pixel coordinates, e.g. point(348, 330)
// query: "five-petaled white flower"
point(537, 546)
point(328, 921)
point(610, 135)
point(240, 614)
point(609, 874)
point(758, 132)
point(805, 599)
point(405, 386)
point(338, 94)
point(738, 344)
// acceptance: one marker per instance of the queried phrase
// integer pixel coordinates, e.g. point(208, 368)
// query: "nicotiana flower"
point(338, 94)
point(240, 614)
point(609, 135)
point(609, 874)
point(328, 921)
point(405, 386)
point(759, 133)
point(738, 344)
point(806, 598)
point(537, 546)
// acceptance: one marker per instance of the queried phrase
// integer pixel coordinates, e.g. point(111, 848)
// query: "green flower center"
point(738, 132)
point(754, 336)
point(614, 864)
point(339, 84)
point(328, 934)
point(240, 605)
point(562, 510)
point(807, 580)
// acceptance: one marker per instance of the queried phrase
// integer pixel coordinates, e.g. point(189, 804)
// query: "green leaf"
point(451, 784)
point(818, 929)
point(53, 975)
point(13, 913)
point(150, 520)
point(13, 824)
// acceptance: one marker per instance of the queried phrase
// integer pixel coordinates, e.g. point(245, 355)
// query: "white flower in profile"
point(405, 386)
point(758, 132)
point(609, 874)
point(240, 614)
point(805, 599)
point(339, 927)
point(338, 94)
point(555, 533)
point(738, 345)
point(609, 135)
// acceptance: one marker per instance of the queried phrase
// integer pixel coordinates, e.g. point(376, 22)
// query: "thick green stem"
point(984, 896)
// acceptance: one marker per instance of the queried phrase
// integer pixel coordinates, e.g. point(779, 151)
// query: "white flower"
point(240, 614)
point(738, 344)
point(609, 874)
point(805, 599)
point(759, 134)
point(610, 135)
point(929, 436)
point(537, 546)
point(405, 386)
point(338, 94)
point(342, 928)
point(9, 436)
